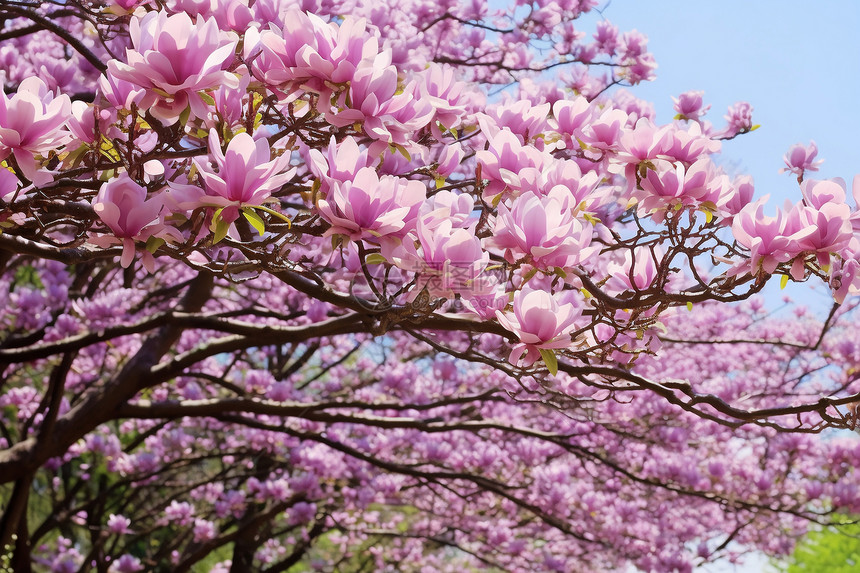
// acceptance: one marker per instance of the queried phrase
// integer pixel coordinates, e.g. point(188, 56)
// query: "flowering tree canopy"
point(347, 286)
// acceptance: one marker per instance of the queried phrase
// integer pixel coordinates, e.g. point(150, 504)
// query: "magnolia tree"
point(294, 286)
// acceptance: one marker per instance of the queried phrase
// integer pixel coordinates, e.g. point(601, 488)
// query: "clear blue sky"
point(797, 63)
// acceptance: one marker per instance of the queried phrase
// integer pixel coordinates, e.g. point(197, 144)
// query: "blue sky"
point(796, 62)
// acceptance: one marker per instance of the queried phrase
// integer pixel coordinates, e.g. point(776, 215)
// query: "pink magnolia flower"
point(246, 174)
point(304, 50)
point(567, 175)
point(637, 270)
point(739, 119)
point(604, 133)
point(571, 117)
point(606, 37)
point(338, 162)
point(770, 240)
point(521, 117)
point(31, 123)
point(118, 524)
point(736, 197)
point(689, 105)
point(120, 93)
point(800, 158)
point(673, 186)
point(540, 322)
point(439, 87)
point(387, 114)
point(9, 186)
point(122, 205)
point(174, 59)
point(370, 207)
point(688, 143)
point(449, 159)
point(828, 230)
point(126, 564)
point(124, 7)
point(447, 206)
point(448, 260)
point(507, 162)
point(818, 193)
point(542, 231)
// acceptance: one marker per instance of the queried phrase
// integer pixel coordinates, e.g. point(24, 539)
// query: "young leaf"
point(153, 243)
point(255, 220)
point(550, 360)
point(219, 227)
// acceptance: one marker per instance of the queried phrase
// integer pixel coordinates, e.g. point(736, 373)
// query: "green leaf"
point(550, 360)
point(690, 306)
point(255, 220)
point(219, 227)
point(403, 152)
point(183, 117)
point(783, 281)
point(375, 259)
point(153, 243)
point(207, 99)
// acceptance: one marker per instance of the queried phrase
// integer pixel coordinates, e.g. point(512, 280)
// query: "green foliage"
point(832, 550)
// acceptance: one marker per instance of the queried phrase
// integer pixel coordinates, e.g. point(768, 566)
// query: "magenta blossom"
point(508, 164)
point(636, 272)
point(542, 231)
point(739, 119)
point(388, 114)
point(688, 105)
point(540, 322)
point(736, 197)
point(440, 88)
point(370, 207)
point(32, 123)
point(770, 240)
point(801, 158)
point(303, 49)
point(246, 174)
point(672, 187)
point(338, 162)
point(448, 206)
point(174, 59)
point(122, 205)
point(449, 262)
